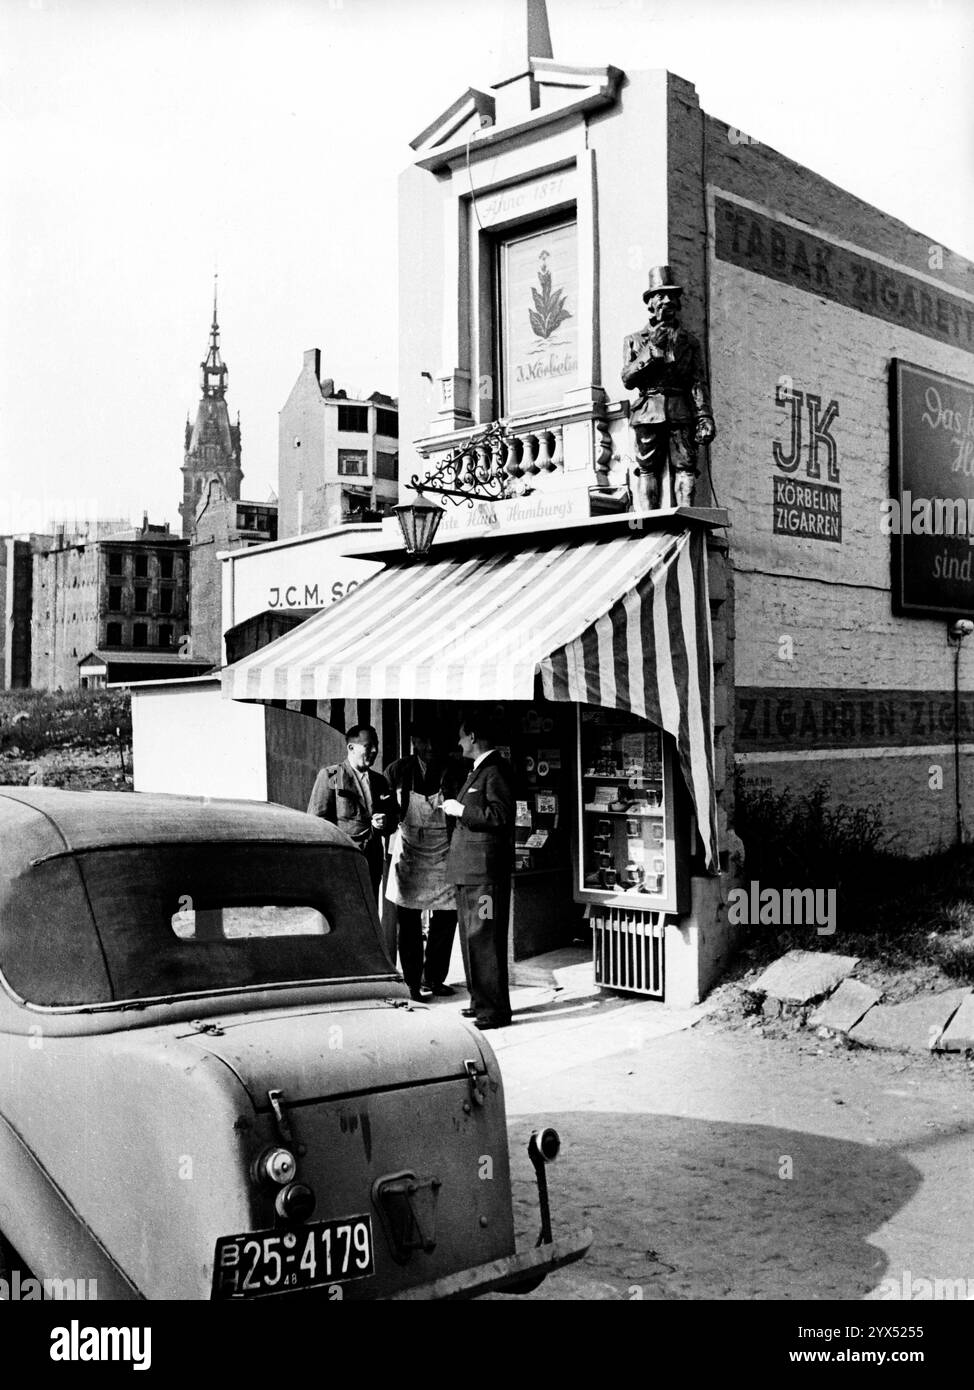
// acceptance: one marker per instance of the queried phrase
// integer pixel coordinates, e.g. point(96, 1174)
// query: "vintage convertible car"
point(213, 1083)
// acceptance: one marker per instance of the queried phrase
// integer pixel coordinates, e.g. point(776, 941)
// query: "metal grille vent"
point(627, 950)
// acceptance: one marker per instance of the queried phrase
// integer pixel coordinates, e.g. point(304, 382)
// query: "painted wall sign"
point(803, 506)
point(781, 252)
point(309, 595)
point(539, 324)
point(776, 718)
point(541, 508)
point(309, 573)
point(932, 447)
point(809, 510)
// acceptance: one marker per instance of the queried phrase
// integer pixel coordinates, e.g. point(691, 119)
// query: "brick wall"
point(816, 614)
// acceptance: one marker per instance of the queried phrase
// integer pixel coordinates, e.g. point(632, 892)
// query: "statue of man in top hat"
point(664, 363)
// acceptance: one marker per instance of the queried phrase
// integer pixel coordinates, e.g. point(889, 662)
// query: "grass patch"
point(898, 914)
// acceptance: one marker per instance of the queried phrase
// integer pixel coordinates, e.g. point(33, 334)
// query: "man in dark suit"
point(480, 862)
point(358, 800)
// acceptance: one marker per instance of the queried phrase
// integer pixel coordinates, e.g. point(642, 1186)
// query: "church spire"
point(212, 445)
point(214, 372)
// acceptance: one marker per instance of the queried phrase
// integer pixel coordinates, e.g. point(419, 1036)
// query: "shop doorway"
point(538, 738)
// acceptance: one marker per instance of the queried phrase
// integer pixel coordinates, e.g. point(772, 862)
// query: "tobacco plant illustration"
point(549, 304)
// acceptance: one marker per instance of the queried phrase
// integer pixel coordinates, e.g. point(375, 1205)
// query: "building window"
point(142, 566)
point(387, 423)
point(140, 634)
point(165, 635)
point(537, 332)
point(353, 419)
point(353, 463)
point(113, 635)
point(387, 466)
point(116, 562)
point(142, 600)
point(114, 598)
point(165, 600)
point(165, 565)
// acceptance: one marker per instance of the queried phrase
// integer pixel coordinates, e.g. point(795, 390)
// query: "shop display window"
point(628, 847)
point(541, 757)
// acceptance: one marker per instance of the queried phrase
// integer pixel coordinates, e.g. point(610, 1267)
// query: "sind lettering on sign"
point(791, 256)
point(772, 717)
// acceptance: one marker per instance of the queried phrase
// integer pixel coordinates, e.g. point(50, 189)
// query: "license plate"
point(309, 1257)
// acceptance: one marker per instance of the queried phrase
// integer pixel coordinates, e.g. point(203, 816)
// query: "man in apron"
point(417, 881)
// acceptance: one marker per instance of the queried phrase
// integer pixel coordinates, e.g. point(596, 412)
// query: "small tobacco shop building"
point(788, 623)
point(592, 639)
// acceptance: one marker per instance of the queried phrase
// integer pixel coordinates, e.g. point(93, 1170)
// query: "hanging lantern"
point(419, 521)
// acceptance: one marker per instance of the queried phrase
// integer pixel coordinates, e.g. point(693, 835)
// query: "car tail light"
point(295, 1202)
point(277, 1166)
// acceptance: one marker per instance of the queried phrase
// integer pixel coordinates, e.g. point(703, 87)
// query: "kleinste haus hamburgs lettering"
point(793, 257)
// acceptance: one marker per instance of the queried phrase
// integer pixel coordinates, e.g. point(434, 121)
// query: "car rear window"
point(178, 919)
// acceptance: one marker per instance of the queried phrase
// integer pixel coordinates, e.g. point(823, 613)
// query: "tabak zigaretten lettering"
point(784, 253)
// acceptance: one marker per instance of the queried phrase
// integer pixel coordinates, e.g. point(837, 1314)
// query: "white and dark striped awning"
point(616, 620)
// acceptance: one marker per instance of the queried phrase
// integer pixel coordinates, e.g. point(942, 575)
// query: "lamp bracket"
point(472, 472)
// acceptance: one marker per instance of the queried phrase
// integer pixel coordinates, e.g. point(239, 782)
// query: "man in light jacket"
point(358, 800)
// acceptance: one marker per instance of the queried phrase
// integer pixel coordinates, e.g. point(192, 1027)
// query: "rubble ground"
point(77, 739)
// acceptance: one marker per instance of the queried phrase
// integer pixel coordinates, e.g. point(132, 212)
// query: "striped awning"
point(616, 620)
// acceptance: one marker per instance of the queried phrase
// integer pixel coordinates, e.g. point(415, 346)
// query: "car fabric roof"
point(38, 822)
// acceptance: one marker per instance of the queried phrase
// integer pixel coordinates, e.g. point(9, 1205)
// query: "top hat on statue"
point(661, 278)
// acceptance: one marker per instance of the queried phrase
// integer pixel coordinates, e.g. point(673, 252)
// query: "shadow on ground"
point(691, 1209)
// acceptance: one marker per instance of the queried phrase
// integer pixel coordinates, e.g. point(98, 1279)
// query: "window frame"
point(498, 239)
point(349, 429)
point(343, 472)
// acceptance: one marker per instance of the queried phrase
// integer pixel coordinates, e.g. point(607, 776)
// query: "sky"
point(144, 142)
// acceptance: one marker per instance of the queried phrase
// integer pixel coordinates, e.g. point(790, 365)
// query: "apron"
point(417, 871)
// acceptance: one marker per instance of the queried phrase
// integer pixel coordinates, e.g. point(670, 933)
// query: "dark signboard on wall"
point(931, 515)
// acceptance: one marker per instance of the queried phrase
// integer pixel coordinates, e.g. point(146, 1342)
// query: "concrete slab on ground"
point(913, 1026)
point(959, 1034)
point(843, 1009)
point(800, 976)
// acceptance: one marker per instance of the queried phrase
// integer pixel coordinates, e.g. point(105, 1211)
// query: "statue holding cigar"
point(672, 415)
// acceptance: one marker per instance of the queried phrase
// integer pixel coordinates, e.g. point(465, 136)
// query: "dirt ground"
point(714, 1163)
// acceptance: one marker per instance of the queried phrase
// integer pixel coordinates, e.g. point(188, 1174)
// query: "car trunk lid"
point(348, 1049)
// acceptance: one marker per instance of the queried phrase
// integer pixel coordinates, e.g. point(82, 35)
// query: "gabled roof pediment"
point(466, 113)
point(544, 91)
